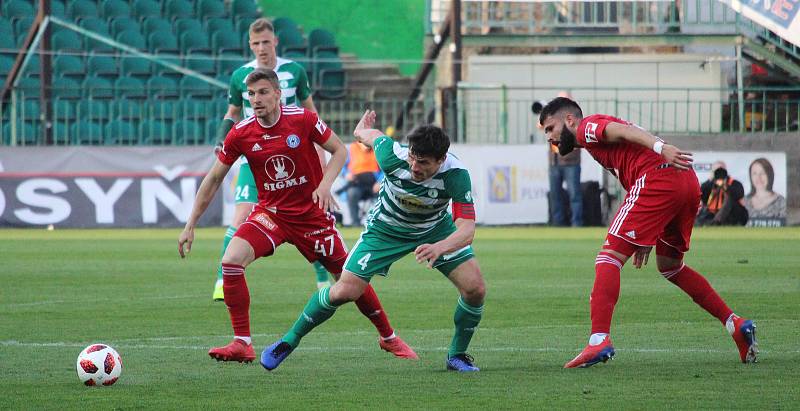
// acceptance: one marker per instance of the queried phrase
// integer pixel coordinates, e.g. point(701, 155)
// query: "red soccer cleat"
point(237, 350)
point(398, 347)
point(743, 332)
point(592, 355)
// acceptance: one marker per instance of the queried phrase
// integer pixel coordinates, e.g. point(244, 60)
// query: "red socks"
point(605, 292)
point(237, 298)
point(694, 284)
point(370, 306)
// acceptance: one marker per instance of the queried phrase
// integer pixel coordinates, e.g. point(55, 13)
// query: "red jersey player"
point(294, 195)
point(658, 211)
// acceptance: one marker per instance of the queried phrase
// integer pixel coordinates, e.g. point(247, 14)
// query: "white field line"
point(51, 302)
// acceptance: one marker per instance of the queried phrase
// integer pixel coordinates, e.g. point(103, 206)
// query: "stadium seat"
point(229, 62)
point(17, 8)
point(120, 132)
point(98, 87)
point(102, 66)
point(289, 40)
point(29, 110)
point(178, 9)
point(162, 41)
point(155, 132)
point(300, 58)
point(132, 38)
point(185, 25)
point(216, 24)
point(161, 86)
point(130, 87)
point(68, 66)
point(194, 41)
point(63, 110)
point(29, 87)
point(66, 40)
point(226, 41)
point(8, 43)
point(192, 86)
point(126, 109)
point(6, 27)
point(98, 26)
point(122, 23)
point(245, 9)
point(224, 78)
point(211, 8)
point(200, 62)
point(27, 134)
point(82, 8)
point(146, 8)
point(85, 132)
point(163, 70)
point(319, 40)
point(162, 109)
point(136, 66)
point(283, 23)
point(23, 24)
point(66, 88)
point(211, 130)
point(329, 76)
point(116, 8)
point(188, 132)
point(192, 109)
point(155, 24)
point(61, 133)
point(90, 109)
point(6, 62)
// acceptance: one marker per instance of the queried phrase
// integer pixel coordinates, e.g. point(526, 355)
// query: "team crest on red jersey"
point(279, 168)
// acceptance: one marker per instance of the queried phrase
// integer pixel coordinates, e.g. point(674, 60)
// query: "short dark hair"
point(556, 105)
point(263, 74)
point(429, 141)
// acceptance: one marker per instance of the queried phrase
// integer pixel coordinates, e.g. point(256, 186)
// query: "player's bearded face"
point(567, 142)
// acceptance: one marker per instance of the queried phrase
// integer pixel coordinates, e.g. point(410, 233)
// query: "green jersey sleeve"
point(458, 185)
point(389, 153)
point(303, 89)
point(234, 90)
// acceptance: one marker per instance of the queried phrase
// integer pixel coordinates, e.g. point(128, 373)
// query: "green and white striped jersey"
point(293, 82)
point(409, 208)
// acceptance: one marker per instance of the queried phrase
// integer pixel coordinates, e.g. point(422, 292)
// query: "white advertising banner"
point(779, 16)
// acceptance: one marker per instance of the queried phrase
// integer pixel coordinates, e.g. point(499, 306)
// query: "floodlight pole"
point(455, 49)
point(46, 102)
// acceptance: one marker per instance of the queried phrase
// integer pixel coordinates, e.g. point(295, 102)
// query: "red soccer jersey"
point(283, 159)
point(627, 160)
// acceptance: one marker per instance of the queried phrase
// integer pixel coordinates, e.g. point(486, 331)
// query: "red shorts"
point(661, 205)
point(314, 234)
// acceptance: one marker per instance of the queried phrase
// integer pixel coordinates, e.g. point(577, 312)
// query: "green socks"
point(317, 310)
point(228, 235)
point(466, 319)
point(322, 273)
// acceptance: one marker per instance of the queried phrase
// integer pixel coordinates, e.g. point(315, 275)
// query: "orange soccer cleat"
point(593, 354)
point(398, 347)
point(237, 350)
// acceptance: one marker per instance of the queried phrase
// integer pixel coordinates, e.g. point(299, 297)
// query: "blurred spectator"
point(722, 201)
point(565, 169)
point(762, 202)
point(362, 179)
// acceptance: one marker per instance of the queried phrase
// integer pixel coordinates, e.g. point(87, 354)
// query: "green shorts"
point(246, 191)
point(374, 252)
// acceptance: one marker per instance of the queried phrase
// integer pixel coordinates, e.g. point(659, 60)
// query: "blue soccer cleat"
point(743, 332)
point(274, 355)
point(461, 363)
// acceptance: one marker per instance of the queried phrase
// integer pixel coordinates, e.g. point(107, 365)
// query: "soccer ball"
point(99, 364)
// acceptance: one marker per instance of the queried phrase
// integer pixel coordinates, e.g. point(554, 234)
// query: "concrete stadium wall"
point(787, 142)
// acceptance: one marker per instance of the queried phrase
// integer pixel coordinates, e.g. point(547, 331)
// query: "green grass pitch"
point(64, 289)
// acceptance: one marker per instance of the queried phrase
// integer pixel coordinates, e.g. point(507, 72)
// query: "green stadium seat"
point(66, 40)
point(29, 87)
point(161, 86)
point(162, 109)
point(211, 8)
point(136, 66)
point(224, 78)
point(195, 110)
point(156, 24)
point(224, 41)
point(102, 66)
point(67, 87)
point(243, 27)
point(63, 110)
point(122, 23)
point(6, 26)
point(291, 40)
point(23, 24)
point(6, 62)
point(187, 24)
point(98, 26)
point(162, 41)
point(319, 40)
point(146, 8)
point(61, 133)
point(8, 43)
point(68, 66)
point(98, 87)
point(188, 132)
point(120, 132)
point(132, 38)
point(216, 24)
point(17, 8)
point(29, 110)
point(177, 9)
point(116, 8)
point(194, 41)
point(163, 70)
point(329, 76)
point(155, 132)
point(200, 62)
point(27, 133)
point(194, 87)
point(229, 62)
point(284, 23)
point(126, 109)
point(300, 58)
point(211, 131)
point(130, 87)
point(245, 9)
point(90, 109)
point(82, 8)
point(57, 9)
point(85, 132)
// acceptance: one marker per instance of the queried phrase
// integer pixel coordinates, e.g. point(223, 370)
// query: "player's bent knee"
point(239, 252)
point(348, 288)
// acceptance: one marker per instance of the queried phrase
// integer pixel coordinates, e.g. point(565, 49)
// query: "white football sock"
point(597, 338)
point(389, 337)
point(247, 340)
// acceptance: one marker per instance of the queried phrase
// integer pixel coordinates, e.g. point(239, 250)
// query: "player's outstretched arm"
point(616, 132)
point(205, 194)
point(365, 131)
point(322, 195)
point(462, 237)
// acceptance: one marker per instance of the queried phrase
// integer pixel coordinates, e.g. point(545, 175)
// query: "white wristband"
point(658, 146)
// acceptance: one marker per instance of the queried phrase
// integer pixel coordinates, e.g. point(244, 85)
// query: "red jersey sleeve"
point(230, 150)
point(591, 129)
point(320, 133)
